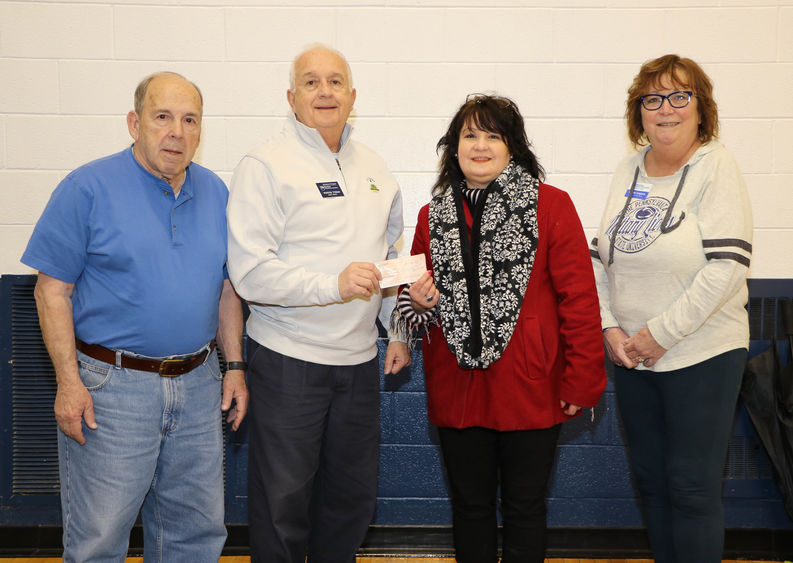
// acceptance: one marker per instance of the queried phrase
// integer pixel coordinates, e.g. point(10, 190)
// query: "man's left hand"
point(397, 356)
point(234, 388)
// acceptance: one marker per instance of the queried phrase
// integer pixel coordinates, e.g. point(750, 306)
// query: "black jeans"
point(476, 460)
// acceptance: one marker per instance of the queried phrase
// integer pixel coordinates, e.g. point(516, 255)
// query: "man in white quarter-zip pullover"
point(310, 210)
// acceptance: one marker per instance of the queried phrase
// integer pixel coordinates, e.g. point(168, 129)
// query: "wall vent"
point(35, 439)
point(747, 459)
point(765, 323)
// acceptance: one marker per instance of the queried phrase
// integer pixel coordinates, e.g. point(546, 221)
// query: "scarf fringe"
point(411, 328)
point(399, 329)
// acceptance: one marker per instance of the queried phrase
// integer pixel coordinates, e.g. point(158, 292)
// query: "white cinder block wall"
point(68, 70)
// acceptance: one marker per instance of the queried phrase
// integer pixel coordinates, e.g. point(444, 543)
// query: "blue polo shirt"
point(148, 269)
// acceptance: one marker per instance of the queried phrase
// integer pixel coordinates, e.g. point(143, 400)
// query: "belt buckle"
point(169, 361)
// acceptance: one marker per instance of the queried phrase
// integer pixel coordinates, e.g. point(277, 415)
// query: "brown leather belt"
point(170, 367)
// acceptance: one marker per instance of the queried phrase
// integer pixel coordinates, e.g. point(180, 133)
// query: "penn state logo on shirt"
point(641, 225)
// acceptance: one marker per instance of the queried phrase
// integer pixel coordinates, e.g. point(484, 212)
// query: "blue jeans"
point(678, 424)
point(157, 451)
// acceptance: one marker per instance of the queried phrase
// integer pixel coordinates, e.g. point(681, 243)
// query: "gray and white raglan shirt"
point(681, 273)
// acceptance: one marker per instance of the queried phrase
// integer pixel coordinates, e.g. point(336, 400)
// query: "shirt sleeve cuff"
point(662, 336)
point(608, 320)
point(329, 289)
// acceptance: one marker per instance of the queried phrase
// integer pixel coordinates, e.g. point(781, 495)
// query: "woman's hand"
point(615, 339)
point(642, 348)
point(423, 293)
point(568, 409)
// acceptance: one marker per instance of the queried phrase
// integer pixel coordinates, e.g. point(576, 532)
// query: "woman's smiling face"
point(482, 155)
point(669, 125)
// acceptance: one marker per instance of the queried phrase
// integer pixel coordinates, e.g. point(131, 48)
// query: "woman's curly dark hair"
point(494, 114)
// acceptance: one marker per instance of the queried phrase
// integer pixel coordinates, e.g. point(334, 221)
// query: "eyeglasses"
point(653, 102)
point(500, 101)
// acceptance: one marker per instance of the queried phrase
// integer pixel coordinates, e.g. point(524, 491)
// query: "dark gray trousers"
point(313, 456)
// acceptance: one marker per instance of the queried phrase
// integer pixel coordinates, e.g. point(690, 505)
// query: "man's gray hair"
point(318, 47)
point(140, 91)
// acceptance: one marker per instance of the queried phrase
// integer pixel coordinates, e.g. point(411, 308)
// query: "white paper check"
point(406, 269)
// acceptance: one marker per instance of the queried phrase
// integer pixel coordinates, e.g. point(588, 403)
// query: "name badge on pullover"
point(641, 191)
point(330, 189)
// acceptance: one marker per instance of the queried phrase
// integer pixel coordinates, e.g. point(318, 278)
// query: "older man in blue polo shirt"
point(132, 292)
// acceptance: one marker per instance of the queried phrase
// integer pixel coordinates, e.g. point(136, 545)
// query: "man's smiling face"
point(322, 96)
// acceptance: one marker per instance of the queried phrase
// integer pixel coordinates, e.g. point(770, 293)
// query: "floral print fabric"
point(504, 238)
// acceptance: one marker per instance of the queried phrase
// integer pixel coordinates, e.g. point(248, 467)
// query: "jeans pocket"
point(214, 366)
point(94, 376)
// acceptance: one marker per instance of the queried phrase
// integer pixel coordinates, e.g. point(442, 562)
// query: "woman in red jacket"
point(513, 345)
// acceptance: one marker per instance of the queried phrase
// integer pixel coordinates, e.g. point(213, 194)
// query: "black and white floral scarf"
point(482, 280)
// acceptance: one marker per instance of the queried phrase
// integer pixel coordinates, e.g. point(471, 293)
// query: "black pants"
point(678, 426)
point(475, 458)
point(313, 454)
